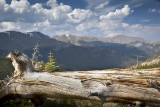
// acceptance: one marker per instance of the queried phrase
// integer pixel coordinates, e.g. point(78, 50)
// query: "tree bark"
point(138, 87)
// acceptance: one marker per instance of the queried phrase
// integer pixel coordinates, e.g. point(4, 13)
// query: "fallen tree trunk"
point(138, 87)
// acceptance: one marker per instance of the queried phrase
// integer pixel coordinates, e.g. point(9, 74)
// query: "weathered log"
point(139, 87)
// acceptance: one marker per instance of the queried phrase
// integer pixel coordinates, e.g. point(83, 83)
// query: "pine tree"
point(51, 65)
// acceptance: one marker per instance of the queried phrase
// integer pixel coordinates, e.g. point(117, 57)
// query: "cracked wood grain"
point(124, 86)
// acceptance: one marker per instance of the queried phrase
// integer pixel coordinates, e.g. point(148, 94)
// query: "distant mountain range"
point(11, 40)
point(80, 53)
point(117, 39)
point(151, 48)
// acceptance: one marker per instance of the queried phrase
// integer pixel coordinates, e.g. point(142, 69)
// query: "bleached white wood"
point(125, 86)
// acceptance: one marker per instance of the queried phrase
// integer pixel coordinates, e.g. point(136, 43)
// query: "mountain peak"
point(36, 34)
point(121, 39)
point(66, 35)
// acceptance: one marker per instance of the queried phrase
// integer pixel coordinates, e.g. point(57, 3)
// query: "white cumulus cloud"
point(118, 14)
point(102, 5)
point(9, 25)
point(52, 3)
point(20, 6)
point(59, 18)
point(78, 15)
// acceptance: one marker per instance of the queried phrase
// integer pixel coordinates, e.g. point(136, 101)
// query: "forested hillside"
point(6, 68)
point(89, 56)
point(149, 63)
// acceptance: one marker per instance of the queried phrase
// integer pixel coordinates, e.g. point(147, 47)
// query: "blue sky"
point(135, 18)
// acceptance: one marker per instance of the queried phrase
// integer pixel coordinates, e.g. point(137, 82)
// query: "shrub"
point(40, 66)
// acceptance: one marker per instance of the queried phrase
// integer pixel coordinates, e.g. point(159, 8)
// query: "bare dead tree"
point(35, 54)
point(124, 86)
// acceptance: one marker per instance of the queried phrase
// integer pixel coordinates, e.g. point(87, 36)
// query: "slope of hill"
point(149, 63)
point(37, 35)
point(91, 55)
point(6, 68)
point(12, 40)
point(89, 58)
